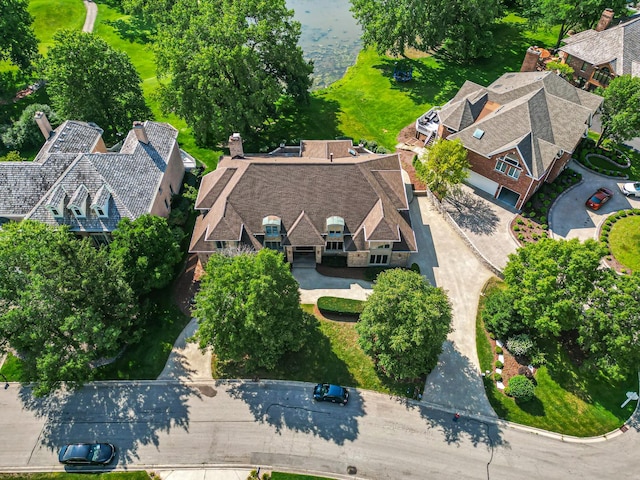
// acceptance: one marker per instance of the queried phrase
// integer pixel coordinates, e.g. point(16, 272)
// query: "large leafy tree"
point(568, 14)
point(63, 305)
point(621, 109)
point(25, 133)
point(609, 331)
point(248, 309)
point(18, 43)
point(550, 281)
point(404, 323)
point(463, 26)
point(89, 80)
point(147, 251)
point(228, 62)
point(443, 166)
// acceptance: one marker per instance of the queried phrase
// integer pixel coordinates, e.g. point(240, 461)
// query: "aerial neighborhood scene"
point(309, 240)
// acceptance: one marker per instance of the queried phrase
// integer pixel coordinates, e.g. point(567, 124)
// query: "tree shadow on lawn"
point(318, 120)
point(127, 414)
point(436, 79)
point(134, 29)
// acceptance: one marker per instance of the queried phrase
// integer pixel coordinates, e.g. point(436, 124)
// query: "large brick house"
point(75, 181)
point(317, 199)
point(520, 131)
point(600, 54)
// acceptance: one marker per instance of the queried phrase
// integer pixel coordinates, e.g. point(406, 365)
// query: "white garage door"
point(483, 183)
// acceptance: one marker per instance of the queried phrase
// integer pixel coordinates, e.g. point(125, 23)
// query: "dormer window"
point(335, 227)
point(78, 202)
point(55, 203)
point(100, 204)
point(271, 226)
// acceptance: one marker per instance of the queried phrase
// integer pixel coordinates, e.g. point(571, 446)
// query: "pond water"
point(330, 37)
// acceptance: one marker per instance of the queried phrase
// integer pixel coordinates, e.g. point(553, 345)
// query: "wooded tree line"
point(65, 304)
point(557, 290)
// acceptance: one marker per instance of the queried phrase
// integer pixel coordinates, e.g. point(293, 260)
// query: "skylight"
point(478, 133)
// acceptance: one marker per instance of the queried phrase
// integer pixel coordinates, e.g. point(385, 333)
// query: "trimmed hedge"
point(341, 306)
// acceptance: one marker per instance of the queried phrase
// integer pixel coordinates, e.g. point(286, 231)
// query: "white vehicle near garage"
point(632, 188)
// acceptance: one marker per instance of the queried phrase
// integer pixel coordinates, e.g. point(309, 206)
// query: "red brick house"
point(600, 54)
point(520, 131)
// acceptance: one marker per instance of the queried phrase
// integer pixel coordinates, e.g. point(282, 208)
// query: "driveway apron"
point(447, 262)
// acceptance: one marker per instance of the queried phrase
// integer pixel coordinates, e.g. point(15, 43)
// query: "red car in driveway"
point(599, 198)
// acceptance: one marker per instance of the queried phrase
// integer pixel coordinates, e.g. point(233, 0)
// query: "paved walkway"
point(569, 218)
point(90, 19)
point(186, 361)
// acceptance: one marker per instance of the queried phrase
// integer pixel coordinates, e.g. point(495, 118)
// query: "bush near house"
point(520, 388)
point(341, 306)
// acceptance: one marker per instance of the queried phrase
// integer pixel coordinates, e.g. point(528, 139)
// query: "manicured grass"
point(373, 106)
point(53, 15)
point(624, 242)
point(331, 354)
point(146, 359)
point(567, 400)
point(137, 475)
point(12, 368)
point(294, 476)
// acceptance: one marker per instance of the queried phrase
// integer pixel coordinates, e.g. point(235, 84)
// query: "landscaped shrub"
point(520, 344)
point(499, 364)
point(545, 226)
point(521, 237)
point(519, 221)
point(520, 388)
point(498, 349)
point(341, 306)
point(538, 358)
point(516, 228)
point(371, 273)
point(546, 203)
point(497, 377)
point(415, 267)
point(543, 219)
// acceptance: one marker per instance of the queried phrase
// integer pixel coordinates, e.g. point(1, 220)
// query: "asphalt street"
point(277, 424)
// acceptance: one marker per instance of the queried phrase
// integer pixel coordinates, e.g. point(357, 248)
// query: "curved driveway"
point(569, 218)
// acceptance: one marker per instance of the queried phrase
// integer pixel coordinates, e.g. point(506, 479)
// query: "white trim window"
point(508, 166)
point(375, 259)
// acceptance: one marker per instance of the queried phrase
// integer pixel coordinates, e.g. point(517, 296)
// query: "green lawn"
point(566, 401)
point(294, 476)
point(331, 355)
point(53, 15)
point(138, 475)
point(624, 242)
point(146, 359)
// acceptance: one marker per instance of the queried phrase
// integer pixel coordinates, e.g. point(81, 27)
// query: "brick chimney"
point(605, 20)
point(141, 133)
point(530, 60)
point(235, 146)
point(43, 122)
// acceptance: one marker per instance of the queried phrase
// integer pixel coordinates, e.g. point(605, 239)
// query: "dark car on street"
point(325, 392)
point(599, 198)
point(87, 454)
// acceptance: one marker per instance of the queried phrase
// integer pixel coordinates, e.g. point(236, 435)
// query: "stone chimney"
point(531, 60)
point(235, 146)
point(605, 20)
point(43, 122)
point(141, 133)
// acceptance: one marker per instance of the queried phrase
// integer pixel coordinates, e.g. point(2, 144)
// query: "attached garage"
point(483, 183)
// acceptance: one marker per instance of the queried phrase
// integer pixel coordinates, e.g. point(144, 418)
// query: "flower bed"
point(532, 223)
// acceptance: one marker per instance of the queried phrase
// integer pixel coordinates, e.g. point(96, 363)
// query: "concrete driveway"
point(569, 218)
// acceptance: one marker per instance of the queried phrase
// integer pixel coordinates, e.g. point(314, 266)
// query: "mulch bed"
point(357, 273)
point(511, 364)
point(407, 135)
point(187, 284)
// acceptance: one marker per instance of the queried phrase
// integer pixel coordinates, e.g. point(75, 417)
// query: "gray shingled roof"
point(130, 178)
point(540, 113)
point(619, 46)
point(288, 187)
